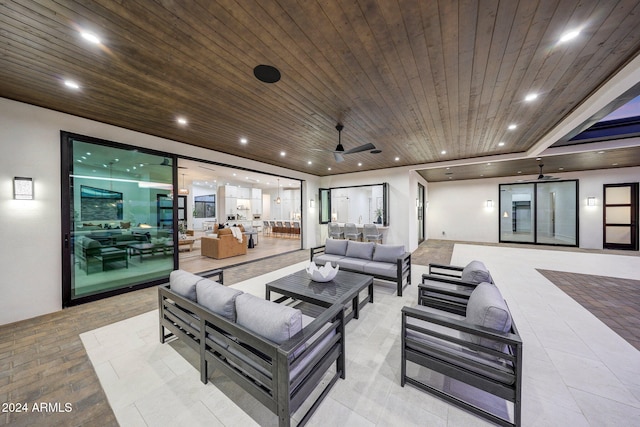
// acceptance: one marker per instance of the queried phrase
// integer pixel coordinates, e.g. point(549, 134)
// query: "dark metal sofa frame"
point(219, 342)
point(403, 269)
point(455, 365)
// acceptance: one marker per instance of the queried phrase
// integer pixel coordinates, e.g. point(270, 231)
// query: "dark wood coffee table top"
point(345, 287)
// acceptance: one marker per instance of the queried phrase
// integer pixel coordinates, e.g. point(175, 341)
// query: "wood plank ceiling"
point(415, 78)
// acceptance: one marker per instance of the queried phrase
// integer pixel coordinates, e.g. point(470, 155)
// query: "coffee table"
point(344, 288)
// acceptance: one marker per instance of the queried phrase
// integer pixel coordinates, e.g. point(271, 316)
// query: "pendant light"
point(183, 191)
point(278, 200)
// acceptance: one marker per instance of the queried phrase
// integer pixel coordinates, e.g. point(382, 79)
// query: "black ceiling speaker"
point(266, 73)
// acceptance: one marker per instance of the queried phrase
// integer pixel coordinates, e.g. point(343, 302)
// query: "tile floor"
point(577, 371)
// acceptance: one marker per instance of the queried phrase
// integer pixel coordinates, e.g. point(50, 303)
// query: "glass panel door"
point(118, 216)
point(420, 213)
point(621, 216)
point(556, 214)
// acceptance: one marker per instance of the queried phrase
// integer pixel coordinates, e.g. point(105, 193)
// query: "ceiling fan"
point(339, 151)
point(543, 177)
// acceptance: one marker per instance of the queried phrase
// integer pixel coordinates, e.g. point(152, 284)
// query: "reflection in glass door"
point(118, 217)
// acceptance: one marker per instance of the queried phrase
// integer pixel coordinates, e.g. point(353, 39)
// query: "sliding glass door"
point(117, 218)
point(544, 212)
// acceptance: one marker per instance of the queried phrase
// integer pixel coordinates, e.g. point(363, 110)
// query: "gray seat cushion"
point(300, 365)
point(217, 298)
point(459, 355)
point(362, 250)
point(354, 264)
point(184, 284)
point(487, 308)
point(388, 253)
point(381, 269)
point(335, 247)
point(324, 258)
point(275, 322)
point(476, 272)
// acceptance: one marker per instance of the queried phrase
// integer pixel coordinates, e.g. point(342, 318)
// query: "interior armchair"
point(225, 245)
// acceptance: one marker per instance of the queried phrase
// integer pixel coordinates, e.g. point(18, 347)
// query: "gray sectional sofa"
point(476, 343)
point(271, 350)
point(386, 262)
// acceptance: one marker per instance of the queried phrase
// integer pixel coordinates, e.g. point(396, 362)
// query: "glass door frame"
point(535, 241)
point(421, 215)
point(66, 169)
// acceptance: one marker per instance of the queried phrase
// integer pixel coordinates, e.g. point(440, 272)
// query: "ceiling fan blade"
point(365, 147)
point(338, 157)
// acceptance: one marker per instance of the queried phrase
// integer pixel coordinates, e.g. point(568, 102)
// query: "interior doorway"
point(420, 216)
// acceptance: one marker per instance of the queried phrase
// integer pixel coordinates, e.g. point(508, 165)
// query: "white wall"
point(459, 209)
point(31, 253)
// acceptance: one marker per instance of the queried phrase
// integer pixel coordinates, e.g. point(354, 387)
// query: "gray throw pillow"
point(388, 253)
point(217, 298)
point(275, 322)
point(487, 308)
point(361, 250)
point(184, 284)
point(335, 247)
point(476, 272)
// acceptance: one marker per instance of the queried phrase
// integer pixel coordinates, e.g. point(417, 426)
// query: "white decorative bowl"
point(325, 273)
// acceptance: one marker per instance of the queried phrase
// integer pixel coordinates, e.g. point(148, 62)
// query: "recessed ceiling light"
point(501, 144)
point(481, 175)
point(90, 37)
point(443, 152)
point(282, 154)
point(182, 121)
point(397, 159)
point(560, 169)
point(614, 164)
point(512, 126)
point(234, 174)
point(600, 152)
point(519, 171)
point(448, 168)
point(309, 162)
point(71, 84)
point(569, 35)
point(538, 158)
point(530, 97)
point(488, 164)
point(359, 163)
point(243, 140)
point(329, 169)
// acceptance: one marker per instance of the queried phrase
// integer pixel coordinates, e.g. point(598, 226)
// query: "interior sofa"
point(478, 345)
point(385, 262)
point(271, 350)
point(224, 245)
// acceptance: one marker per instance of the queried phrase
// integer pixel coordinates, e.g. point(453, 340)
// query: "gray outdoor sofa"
point(272, 351)
point(385, 262)
point(478, 346)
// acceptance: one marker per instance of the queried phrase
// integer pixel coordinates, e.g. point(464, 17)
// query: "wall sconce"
point(505, 214)
point(312, 203)
point(22, 188)
point(489, 203)
point(591, 201)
